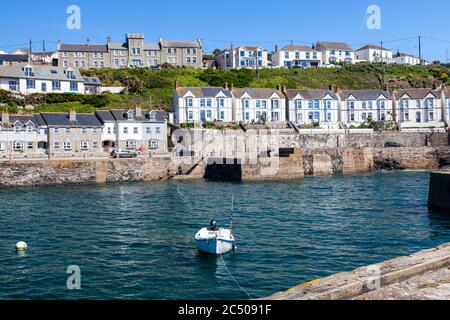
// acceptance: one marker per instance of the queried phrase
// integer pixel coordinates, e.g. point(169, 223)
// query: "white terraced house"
point(313, 107)
point(200, 105)
point(374, 54)
point(364, 106)
point(243, 57)
point(336, 52)
point(27, 79)
point(419, 108)
point(259, 105)
point(297, 56)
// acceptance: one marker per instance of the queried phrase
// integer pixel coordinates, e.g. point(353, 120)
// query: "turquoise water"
point(135, 241)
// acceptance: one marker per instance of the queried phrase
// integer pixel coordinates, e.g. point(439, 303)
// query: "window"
point(131, 144)
point(152, 144)
point(327, 104)
point(84, 145)
point(209, 103)
point(275, 104)
point(258, 104)
point(189, 102)
point(74, 86)
point(245, 104)
point(56, 145)
point(190, 115)
point(286, 55)
point(135, 130)
point(55, 130)
point(83, 130)
point(298, 104)
point(44, 87)
point(56, 86)
point(18, 145)
point(222, 115)
point(31, 84)
point(67, 145)
point(148, 130)
point(202, 103)
point(30, 145)
point(2, 146)
point(17, 128)
point(68, 130)
point(95, 145)
point(28, 72)
point(221, 103)
point(125, 130)
point(158, 129)
point(30, 129)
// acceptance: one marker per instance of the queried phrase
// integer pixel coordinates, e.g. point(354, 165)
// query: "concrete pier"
point(439, 198)
point(422, 276)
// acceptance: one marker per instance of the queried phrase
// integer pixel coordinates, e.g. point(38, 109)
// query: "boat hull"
point(215, 247)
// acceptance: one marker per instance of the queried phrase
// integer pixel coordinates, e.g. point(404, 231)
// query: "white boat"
point(215, 242)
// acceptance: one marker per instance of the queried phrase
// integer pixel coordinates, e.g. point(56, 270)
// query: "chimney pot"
point(138, 112)
point(232, 86)
point(177, 84)
point(226, 85)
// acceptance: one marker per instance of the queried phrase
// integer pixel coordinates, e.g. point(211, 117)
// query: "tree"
point(217, 52)
point(133, 84)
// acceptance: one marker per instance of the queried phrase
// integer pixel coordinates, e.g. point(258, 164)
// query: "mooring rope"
point(234, 279)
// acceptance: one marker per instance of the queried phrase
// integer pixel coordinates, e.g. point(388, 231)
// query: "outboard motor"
point(213, 225)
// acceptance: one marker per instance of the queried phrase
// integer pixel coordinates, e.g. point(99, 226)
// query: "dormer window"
point(28, 70)
point(17, 128)
point(70, 74)
point(152, 116)
point(30, 129)
point(130, 115)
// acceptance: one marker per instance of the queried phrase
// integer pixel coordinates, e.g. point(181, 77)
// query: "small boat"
point(215, 241)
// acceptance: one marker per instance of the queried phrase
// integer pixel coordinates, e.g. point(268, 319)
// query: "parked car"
point(392, 144)
point(124, 154)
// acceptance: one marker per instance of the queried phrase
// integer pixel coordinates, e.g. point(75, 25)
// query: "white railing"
point(423, 130)
point(362, 131)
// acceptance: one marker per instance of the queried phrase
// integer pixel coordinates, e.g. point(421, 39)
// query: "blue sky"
point(219, 23)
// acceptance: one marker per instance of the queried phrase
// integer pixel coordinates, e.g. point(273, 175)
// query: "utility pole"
point(43, 46)
point(420, 49)
point(30, 53)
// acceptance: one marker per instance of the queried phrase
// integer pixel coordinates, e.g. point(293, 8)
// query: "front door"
point(418, 117)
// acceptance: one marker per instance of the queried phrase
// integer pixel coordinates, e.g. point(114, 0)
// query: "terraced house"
point(72, 135)
point(134, 129)
point(364, 106)
point(313, 106)
point(133, 52)
point(259, 105)
point(203, 104)
point(27, 79)
point(420, 108)
point(23, 136)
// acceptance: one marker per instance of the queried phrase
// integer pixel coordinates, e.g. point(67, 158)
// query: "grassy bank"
point(154, 88)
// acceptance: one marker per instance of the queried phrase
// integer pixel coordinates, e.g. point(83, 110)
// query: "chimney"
point(284, 89)
point(276, 48)
point(232, 87)
point(72, 115)
point(59, 43)
point(226, 85)
point(330, 87)
point(5, 118)
point(177, 84)
point(138, 112)
point(279, 87)
point(108, 40)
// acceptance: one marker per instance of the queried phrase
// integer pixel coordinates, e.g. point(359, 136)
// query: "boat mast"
point(232, 208)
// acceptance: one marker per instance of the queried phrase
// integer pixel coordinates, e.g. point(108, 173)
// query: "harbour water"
point(136, 241)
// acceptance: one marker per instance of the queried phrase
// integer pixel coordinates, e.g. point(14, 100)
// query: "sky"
point(241, 22)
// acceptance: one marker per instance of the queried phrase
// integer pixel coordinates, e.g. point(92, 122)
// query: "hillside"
point(154, 89)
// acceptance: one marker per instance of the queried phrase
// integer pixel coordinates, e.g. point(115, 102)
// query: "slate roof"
point(36, 119)
point(373, 47)
point(417, 93)
point(297, 48)
point(335, 46)
point(207, 92)
point(310, 94)
point(364, 95)
point(121, 115)
point(62, 120)
point(84, 48)
point(447, 92)
point(160, 115)
point(14, 57)
point(181, 44)
point(264, 93)
point(39, 72)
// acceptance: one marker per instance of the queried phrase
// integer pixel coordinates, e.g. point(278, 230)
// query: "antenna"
point(30, 58)
point(420, 49)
